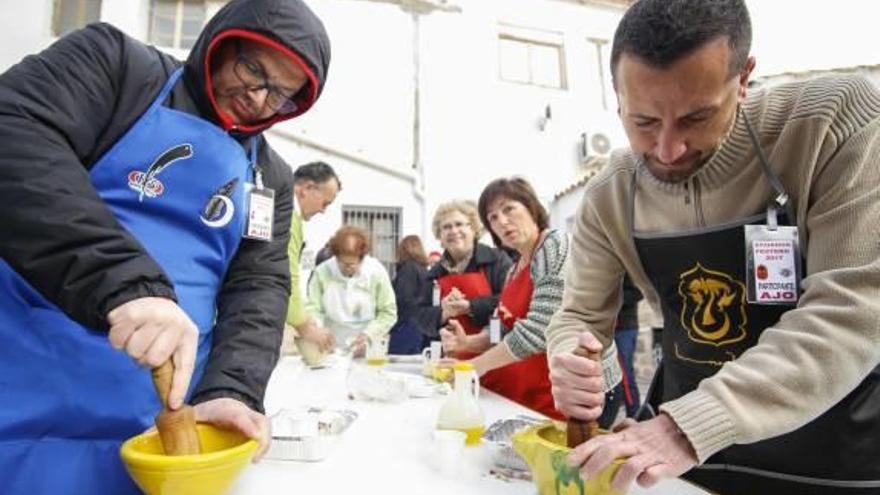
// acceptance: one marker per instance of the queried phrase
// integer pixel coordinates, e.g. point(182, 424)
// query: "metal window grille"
point(176, 23)
point(70, 15)
point(383, 225)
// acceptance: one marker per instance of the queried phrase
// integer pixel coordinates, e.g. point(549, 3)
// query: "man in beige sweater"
point(757, 397)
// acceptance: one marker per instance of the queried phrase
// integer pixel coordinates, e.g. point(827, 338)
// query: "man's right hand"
point(577, 384)
point(153, 329)
point(312, 332)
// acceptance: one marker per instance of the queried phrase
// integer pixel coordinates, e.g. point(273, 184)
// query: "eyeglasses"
point(252, 75)
point(448, 227)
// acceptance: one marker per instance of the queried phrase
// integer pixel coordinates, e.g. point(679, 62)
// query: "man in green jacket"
point(315, 186)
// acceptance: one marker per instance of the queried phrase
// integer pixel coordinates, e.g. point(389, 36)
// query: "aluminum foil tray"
point(497, 438)
point(307, 435)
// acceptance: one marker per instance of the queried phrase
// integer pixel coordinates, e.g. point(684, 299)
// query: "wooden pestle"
point(177, 429)
point(578, 431)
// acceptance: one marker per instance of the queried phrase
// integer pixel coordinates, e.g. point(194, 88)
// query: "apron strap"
point(653, 397)
point(166, 90)
point(781, 200)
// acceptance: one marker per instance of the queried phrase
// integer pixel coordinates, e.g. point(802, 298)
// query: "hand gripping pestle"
point(177, 429)
point(579, 431)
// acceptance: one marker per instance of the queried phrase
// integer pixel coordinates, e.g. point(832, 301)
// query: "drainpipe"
point(418, 168)
point(416, 9)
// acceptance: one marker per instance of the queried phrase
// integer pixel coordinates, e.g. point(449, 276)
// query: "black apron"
point(700, 277)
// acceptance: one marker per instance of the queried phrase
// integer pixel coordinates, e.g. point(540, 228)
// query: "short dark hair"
point(517, 189)
point(317, 172)
point(662, 32)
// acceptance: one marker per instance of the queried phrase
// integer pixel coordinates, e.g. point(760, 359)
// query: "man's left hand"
point(654, 450)
point(234, 415)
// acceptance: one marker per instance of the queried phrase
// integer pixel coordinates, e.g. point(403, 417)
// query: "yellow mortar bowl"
point(543, 448)
point(224, 454)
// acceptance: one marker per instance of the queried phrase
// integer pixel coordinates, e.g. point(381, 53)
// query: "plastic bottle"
point(462, 410)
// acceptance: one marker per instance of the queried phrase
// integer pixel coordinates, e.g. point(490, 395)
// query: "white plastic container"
point(461, 411)
point(306, 435)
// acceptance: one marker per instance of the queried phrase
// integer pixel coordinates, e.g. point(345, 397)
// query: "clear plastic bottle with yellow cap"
point(462, 410)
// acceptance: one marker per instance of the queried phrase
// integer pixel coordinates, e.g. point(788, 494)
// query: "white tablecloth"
point(387, 450)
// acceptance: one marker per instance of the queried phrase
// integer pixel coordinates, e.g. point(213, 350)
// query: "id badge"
point(494, 330)
point(435, 294)
point(261, 213)
point(773, 264)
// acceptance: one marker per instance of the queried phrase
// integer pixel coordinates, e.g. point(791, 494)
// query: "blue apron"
point(176, 182)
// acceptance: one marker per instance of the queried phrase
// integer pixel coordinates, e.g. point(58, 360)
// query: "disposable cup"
point(449, 447)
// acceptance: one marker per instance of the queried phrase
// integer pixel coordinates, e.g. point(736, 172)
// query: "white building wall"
point(562, 210)
point(365, 111)
point(473, 126)
point(366, 106)
point(131, 16)
point(26, 31)
point(478, 127)
point(361, 186)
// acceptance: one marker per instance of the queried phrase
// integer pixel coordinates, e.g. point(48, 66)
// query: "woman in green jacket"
point(350, 294)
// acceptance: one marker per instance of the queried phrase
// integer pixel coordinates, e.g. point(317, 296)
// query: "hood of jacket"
point(285, 25)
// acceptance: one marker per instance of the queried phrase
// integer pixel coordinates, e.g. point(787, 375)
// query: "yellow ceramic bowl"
point(543, 448)
point(224, 454)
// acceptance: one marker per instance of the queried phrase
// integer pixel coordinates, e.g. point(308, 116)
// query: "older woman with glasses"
point(467, 279)
point(517, 366)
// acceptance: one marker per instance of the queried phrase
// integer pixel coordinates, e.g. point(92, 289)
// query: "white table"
point(387, 450)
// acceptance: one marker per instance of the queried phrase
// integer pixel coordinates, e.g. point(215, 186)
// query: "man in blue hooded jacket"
point(144, 212)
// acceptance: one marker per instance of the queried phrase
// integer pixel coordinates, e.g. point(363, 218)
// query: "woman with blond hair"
point(467, 279)
point(350, 294)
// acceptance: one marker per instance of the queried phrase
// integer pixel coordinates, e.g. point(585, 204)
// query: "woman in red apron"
point(517, 368)
point(465, 283)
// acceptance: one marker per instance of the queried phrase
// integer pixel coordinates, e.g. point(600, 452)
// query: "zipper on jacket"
point(687, 192)
point(698, 203)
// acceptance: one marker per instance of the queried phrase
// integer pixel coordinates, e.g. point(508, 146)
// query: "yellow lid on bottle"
point(463, 366)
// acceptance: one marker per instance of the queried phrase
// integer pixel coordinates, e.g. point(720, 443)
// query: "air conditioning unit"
point(595, 144)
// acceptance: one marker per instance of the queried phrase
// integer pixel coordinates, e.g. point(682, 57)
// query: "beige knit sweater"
point(822, 138)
